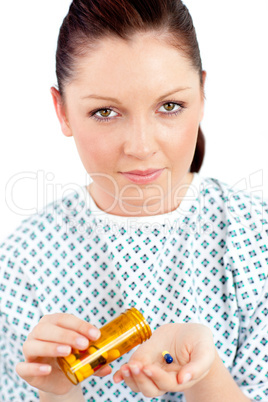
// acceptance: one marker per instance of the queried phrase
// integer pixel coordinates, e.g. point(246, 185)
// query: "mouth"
point(142, 172)
point(142, 176)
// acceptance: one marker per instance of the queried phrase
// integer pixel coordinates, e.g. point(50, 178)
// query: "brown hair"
point(89, 21)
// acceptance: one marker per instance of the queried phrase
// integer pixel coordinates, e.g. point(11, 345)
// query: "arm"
point(24, 379)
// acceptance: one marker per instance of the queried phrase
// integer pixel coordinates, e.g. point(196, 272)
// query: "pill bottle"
point(118, 337)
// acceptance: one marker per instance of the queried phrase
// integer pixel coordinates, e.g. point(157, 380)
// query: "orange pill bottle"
point(118, 337)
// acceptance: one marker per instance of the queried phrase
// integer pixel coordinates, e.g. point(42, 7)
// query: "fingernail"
point(64, 350)
point(126, 373)
point(134, 369)
point(118, 379)
point(148, 372)
point(81, 343)
point(94, 333)
point(45, 369)
point(187, 378)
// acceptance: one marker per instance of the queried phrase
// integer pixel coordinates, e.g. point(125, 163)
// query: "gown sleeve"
point(19, 313)
point(248, 248)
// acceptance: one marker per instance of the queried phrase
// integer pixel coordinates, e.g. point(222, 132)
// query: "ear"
point(204, 76)
point(60, 111)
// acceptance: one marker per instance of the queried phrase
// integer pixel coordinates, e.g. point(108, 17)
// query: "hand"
point(44, 344)
point(193, 352)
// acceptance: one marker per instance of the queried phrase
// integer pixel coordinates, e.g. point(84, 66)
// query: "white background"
point(233, 38)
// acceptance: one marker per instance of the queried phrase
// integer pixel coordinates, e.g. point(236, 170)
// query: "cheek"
point(183, 142)
point(93, 149)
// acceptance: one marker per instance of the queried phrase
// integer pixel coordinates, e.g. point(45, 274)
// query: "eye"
point(171, 108)
point(103, 114)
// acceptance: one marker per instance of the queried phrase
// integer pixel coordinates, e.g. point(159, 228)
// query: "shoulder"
point(55, 223)
point(243, 224)
point(241, 218)
point(243, 209)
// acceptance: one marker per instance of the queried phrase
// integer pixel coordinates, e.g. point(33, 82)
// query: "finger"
point(164, 380)
point(102, 372)
point(199, 365)
point(118, 377)
point(74, 323)
point(34, 348)
point(144, 383)
point(71, 322)
point(54, 333)
point(125, 374)
point(29, 370)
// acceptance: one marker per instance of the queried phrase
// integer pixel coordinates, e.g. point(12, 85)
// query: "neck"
point(108, 203)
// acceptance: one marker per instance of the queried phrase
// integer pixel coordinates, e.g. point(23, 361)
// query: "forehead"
point(143, 61)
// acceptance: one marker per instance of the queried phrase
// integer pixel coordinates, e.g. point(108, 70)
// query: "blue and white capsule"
point(168, 358)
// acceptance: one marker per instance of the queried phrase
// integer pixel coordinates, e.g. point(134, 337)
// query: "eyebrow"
point(93, 96)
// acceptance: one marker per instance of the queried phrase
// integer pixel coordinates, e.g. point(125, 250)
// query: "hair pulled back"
point(89, 21)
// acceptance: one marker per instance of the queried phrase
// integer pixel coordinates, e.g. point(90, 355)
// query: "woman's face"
point(134, 106)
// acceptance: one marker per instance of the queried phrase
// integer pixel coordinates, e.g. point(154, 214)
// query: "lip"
point(142, 172)
point(143, 176)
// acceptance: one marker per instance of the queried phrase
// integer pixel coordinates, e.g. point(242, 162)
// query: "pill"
point(92, 350)
point(76, 365)
point(79, 376)
point(168, 358)
point(86, 370)
point(70, 359)
point(104, 355)
point(113, 354)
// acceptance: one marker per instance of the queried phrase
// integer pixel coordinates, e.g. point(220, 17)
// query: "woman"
point(147, 232)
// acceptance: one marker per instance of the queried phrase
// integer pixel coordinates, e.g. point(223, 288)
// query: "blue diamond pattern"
point(208, 265)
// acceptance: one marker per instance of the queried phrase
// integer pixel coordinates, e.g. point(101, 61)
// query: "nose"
point(140, 141)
